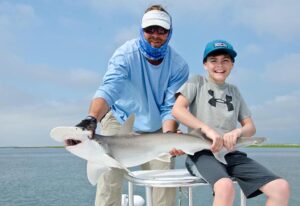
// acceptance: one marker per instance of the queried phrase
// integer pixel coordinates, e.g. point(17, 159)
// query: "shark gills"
point(128, 149)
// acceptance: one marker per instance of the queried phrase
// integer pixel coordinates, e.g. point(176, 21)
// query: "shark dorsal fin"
point(127, 126)
point(196, 132)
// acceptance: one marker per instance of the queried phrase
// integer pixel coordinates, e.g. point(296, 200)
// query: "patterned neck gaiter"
point(151, 52)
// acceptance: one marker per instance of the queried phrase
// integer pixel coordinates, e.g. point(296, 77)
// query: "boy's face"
point(218, 67)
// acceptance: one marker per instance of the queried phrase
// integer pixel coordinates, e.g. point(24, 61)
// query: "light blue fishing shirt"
point(132, 85)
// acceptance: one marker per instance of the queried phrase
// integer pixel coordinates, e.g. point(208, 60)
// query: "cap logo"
point(221, 44)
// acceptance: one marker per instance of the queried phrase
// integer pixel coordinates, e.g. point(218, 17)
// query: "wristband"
point(91, 118)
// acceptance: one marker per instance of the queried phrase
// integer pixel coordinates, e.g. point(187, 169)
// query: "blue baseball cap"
point(219, 45)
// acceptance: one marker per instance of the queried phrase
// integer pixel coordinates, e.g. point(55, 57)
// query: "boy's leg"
point(277, 192)
point(161, 196)
point(255, 179)
point(215, 174)
point(224, 192)
point(109, 187)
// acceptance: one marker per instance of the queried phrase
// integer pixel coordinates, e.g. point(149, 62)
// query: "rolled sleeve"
point(178, 79)
point(114, 78)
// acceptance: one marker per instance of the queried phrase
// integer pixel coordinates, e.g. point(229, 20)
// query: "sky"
point(53, 54)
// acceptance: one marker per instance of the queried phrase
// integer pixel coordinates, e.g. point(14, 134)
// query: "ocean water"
point(53, 177)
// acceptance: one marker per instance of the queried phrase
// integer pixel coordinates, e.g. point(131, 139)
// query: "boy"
point(216, 106)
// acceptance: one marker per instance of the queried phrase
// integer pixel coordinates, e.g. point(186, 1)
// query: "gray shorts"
point(249, 174)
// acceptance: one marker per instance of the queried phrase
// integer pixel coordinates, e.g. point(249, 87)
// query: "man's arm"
point(98, 108)
point(171, 126)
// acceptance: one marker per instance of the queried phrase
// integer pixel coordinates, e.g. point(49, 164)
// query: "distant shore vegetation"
point(276, 146)
point(252, 146)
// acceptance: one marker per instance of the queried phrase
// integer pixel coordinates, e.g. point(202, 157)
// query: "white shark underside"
point(127, 150)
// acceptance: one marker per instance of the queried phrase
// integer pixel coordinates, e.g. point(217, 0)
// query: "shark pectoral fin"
point(94, 171)
point(220, 156)
point(191, 151)
point(111, 162)
point(165, 157)
point(127, 126)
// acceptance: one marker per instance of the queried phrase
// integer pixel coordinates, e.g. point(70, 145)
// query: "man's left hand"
point(176, 152)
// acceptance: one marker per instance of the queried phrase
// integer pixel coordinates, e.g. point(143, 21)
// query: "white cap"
point(156, 18)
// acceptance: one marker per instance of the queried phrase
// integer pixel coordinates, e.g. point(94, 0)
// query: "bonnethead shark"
point(128, 149)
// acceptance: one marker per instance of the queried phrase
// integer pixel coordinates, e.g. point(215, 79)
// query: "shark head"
point(70, 135)
point(77, 141)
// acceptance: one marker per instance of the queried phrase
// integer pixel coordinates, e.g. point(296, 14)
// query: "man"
point(142, 78)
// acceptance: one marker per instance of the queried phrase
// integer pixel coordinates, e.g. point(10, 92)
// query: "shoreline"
point(252, 146)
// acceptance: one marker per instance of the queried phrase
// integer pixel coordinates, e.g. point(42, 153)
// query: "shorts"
point(249, 174)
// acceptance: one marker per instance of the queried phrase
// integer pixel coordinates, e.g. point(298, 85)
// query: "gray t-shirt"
point(218, 106)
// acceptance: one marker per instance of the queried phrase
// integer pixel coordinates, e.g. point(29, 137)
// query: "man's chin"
point(156, 45)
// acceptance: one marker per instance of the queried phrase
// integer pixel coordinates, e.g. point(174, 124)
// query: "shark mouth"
point(72, 142)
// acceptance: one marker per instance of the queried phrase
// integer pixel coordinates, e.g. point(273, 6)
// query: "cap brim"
point(230, 52)
point(153, 22)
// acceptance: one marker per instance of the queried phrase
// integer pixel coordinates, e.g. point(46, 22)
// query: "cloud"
point(284, 71)
point(105, 7)
point(30, 124)
point(270, 18)
point(240, 75)
point(278, 118)
point(17, 15)
point(273, 18)
point(126, 34)
point(252, 49)
point(11, 95)
point(14, 67)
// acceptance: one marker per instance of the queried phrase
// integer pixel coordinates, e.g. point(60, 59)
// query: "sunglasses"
point(158, 29)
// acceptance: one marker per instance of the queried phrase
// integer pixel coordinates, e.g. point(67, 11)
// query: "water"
point(53, 177)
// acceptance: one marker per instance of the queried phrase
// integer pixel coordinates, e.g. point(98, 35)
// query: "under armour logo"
point(213, 101)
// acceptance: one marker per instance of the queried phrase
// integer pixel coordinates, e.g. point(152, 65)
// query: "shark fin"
point(127, 126)
point(94, 171)
point(165, 157)
point(197, 132)
point(114, 163)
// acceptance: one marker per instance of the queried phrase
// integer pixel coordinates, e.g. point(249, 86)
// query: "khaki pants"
point(109, 187)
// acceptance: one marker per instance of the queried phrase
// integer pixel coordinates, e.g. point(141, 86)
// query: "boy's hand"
point(217, 139)
point(230, 138)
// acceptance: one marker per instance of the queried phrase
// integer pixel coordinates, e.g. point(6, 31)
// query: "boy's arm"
point(247, 130)
point(181, 113)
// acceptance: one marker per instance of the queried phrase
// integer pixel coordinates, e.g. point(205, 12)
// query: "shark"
point(128, 149)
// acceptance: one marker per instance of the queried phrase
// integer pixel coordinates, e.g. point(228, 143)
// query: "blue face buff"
point(151, 52)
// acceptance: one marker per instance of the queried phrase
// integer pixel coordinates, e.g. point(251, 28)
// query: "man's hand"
point(176, 152)
point(89, 123)
point(230, 138)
